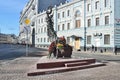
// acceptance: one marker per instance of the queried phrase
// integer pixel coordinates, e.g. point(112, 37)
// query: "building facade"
point(84, 23)
point(31, 10)
point(8, 38)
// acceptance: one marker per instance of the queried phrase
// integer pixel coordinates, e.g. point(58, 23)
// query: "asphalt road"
point(12, 51)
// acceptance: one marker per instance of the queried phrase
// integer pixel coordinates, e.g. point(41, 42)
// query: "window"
point(68, 40)
point(41, 39)
point(68, 26)
point(107, 39)
point(88, 39)
point(47, 39)
point(106, 3)
point(45, 19)
point(58, 27)
point(41, 20)
point(63, 14)
point(38, 39)
point(77, 14)
point(44, 39)
point(88, 7)
point(106, 20)
point(63, 26)
point(45, 29)
point(77, 20)
point(96, 4)
point(58, 15)
point(38, 30)
point(89, 22)
point(41, 30)
point(97, 21)
point(68, 13)
point(78, 24)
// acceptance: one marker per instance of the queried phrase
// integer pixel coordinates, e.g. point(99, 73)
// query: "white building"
point(83, 23)
point(31, 11)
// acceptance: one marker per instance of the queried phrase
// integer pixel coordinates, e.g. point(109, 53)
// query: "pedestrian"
point(115, 50)
point(92, 48)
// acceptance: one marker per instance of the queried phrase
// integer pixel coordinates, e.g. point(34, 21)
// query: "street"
point(12, 51)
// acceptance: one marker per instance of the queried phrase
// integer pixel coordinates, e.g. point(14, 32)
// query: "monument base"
point(49, 66)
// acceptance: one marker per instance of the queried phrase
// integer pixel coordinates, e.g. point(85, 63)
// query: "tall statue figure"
point(58, 46)
point(50, 29)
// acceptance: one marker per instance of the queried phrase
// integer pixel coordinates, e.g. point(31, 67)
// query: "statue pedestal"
point(49, 66)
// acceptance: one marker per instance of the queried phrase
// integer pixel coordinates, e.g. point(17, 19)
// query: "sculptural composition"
point(58, 45)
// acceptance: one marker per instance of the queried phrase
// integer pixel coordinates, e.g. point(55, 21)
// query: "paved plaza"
point(16, 68)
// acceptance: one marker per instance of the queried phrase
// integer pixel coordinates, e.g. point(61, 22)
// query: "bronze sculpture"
point(58, 45)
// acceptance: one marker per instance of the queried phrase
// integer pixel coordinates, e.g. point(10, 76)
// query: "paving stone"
point(17, 70)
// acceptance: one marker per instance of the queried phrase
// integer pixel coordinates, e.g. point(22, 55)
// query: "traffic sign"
point(27, 21)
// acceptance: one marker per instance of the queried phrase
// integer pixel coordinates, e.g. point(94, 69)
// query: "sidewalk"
point(96, 53)
point(17, 70)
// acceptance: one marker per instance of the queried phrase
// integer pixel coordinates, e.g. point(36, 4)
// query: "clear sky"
point(9, 15)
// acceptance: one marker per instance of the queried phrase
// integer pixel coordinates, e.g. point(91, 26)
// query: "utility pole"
point(26, 41)
point(84, 25)
point(27, 23)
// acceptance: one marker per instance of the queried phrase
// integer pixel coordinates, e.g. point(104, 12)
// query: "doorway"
point(33, 37)
point(77, 43)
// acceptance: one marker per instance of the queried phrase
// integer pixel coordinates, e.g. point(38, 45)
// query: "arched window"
point(77, 19)
point(77, 23)
point(77, 13)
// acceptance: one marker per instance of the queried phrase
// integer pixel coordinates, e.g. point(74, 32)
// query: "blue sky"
point(9, 15)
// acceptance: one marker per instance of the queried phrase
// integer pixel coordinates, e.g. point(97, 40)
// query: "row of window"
point(48, 40)
point(89, 38)
point(63, 27)
point(63, 14)
point(77, 24)
point(59, 15)
point(43, 40)
point(106, 39)
point(97, 5)
point(42, 30)
point(41, 20)
point(97, 20)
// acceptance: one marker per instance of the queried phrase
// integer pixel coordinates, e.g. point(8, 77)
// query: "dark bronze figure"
point(58, 46)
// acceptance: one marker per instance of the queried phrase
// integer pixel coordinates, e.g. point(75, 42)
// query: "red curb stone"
point(61, 63)
point(63, 69)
